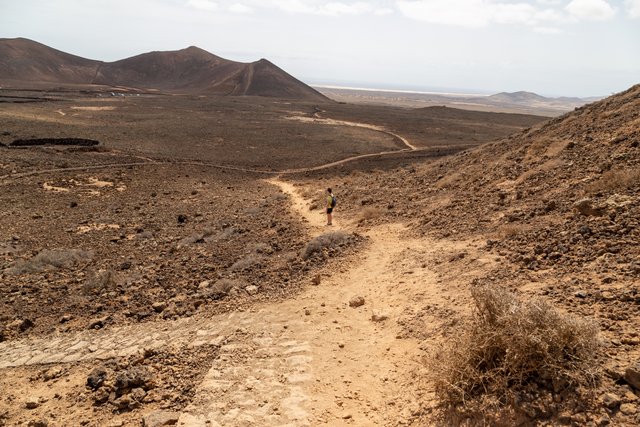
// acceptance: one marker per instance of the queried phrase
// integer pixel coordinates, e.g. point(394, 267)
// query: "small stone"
point(356, 302)
point(66, 318)
point(138, 394)
point(251, 289)
point(159, 306)
point(307, 312)
point(25, 324)
point(52, 373)
point(101, 396)
point(379, 317)
point(182, 219)
point(585, 207)
point(316, 280)
point(632, 376)
point(160, 418)
point(98, 323)
point(581, 294)
point(611, 400)
point(32, 403)
point(42, 422)
point(341, 344)
point(96, 378)
point(628, 408)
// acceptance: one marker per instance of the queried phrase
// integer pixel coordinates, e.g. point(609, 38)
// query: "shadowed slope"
point(190, 70)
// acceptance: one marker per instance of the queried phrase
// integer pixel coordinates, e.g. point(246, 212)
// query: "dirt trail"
point(149, 161)
point(310, 360)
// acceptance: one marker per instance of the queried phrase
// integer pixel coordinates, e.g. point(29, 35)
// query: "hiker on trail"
point(331, 203)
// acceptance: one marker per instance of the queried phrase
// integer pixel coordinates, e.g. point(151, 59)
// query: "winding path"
point(409, 148)
point(309, 360)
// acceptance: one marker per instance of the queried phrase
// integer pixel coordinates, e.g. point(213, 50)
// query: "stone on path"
point(160, 418)
point(632, 375)
point(32, 403)
point(379, 316)
point(356, 302)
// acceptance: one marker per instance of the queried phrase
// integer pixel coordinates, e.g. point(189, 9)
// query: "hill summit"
point(24, 62)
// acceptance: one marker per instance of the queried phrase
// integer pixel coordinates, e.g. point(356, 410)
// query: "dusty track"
point(148, 162)
point(310, 360)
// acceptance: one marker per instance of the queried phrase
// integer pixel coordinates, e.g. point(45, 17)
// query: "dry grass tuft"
point(49, 259)
point(509, 347)
point(248, 262)
point(615, 180)
point(507, 231)
point(369, 213)
point(324, 241)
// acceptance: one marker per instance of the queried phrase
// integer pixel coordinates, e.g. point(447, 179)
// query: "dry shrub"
point(247, 262)
point(615, 180)
point(509, 347)
point(100, 282)
point(222, 288)
point(511, 230)
point(326, 240)
point(199, 237)
point(51, 259)
point(369, 213)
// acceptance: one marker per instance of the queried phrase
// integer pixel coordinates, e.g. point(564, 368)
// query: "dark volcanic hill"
point(190, 70)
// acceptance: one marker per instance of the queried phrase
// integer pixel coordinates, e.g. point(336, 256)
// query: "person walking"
point(331, 203)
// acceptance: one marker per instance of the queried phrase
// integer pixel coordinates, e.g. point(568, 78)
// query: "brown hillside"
point(192, 70)
point(558, 206)
point(27, 60)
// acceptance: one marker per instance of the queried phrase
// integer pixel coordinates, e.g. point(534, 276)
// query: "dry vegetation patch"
point(51, 259)
point(615, 180)
point(513, 353)
point(329, 240)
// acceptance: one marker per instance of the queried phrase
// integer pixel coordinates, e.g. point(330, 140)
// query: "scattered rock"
point(632, 375)
point(611, 400)
point(160, 418)
point(379, 317)
point(23, 324)
point(32, 403)
point(585, 207)
point(52, 373)
point(628, 409)
point(356, 301)
point(159, 306)
point(98, 323)
point(96, 378)
point(42, 422)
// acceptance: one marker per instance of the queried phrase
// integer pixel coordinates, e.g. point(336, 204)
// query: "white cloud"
point(633, 7)
point(547, 30)
point(240, 8)
point(383, 11)
point(335, 8)
point(475, 13)
point(595, 10)
point(203, 4)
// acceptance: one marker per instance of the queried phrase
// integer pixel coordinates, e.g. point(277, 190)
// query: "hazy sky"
point(552, 47)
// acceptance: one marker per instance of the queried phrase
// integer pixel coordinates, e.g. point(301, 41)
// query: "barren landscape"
point(164, 260)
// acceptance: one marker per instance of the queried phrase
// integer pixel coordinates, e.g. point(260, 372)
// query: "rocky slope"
point(24, 63)
point(558, 204)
